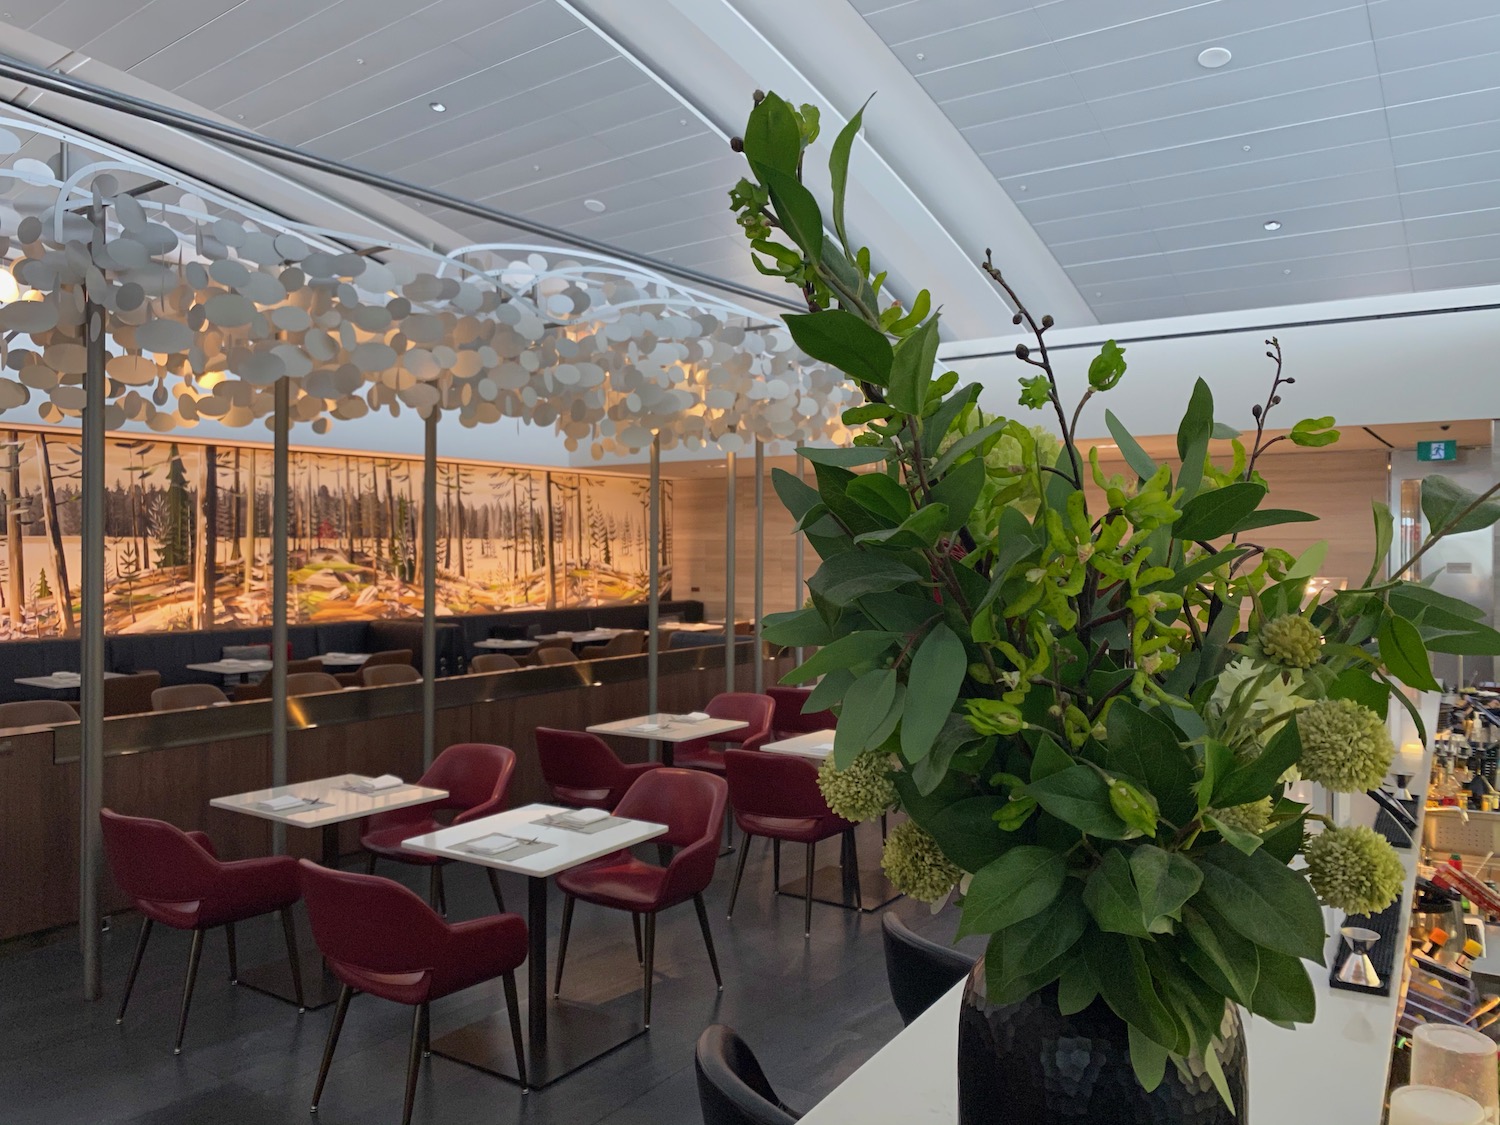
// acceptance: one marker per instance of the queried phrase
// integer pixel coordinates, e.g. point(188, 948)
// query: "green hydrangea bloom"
point(1248, 818)
point(916, 866)
point(1292, 641)
point(863, 790)
point(1354, 869)
point(1345, 745)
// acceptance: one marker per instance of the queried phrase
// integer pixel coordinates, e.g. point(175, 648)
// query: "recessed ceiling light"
point(594, 205)
point(437, 107)
point(1286, 271)
point(1272, 224)
point(921, 55)
point(1244, 148)
point(359, 62)
point(1211, 58)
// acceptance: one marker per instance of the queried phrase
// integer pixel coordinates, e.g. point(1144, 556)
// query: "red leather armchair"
point(476, 776)
point(788, 718)
point(176, 878)
point(581, 770)
point(777, 796)
point(378, 937)
point(691, 804)
point(756, 710)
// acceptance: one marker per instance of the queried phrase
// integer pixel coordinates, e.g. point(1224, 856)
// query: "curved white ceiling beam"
point(919, 195)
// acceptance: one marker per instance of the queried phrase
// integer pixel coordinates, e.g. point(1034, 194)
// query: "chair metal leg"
point(650, 965)
point(234, 957)
point(435, 891)
point(293, 959)
point(739, 873)
point(708, 934)
point(513, 1008)
point(339, 1012)
point(135, 966)
point(807, 899)
point(776, 864)
point(495, 888)
point(635, 924)
point(562, 945)
point(370, 864)
point(413, 1063)
point(426, 1030)
point(187, 988)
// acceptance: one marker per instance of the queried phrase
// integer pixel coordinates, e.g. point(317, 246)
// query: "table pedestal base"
point(847, 884)
point(577, 1035)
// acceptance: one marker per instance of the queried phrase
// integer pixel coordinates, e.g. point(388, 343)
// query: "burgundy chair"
point(691, 804)
point(581, 770)
point(476, 776)
point(378, 937)
point(777, 796)
point(788, 718)
point(176, 878)
point(744, 706)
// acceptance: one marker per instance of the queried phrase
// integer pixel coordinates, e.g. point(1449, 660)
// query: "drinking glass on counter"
point(1459, 1059)
point(1433, 1105)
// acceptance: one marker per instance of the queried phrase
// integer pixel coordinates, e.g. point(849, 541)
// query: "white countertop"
point(341, 804)
point(668, 728)
point(570, 847)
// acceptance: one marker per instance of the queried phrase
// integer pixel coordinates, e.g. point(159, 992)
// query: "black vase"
point(1027, 1064)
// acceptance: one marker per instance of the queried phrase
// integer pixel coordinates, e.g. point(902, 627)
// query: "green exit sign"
point(1437, 451)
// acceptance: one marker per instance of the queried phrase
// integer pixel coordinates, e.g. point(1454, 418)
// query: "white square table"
point(502, 644)
point(342, 659)
point(815, 746)
point(589, 1031)
point(233, 671)
point(54, 681)
point(668, 730)
point(336, 805)
point(587, 637)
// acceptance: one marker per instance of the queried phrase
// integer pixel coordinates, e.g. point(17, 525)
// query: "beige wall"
point(1337, 486)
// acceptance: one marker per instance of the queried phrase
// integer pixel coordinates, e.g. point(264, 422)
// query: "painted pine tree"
point(176, 537)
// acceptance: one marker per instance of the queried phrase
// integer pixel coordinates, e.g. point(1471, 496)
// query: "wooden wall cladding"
point(39, 787)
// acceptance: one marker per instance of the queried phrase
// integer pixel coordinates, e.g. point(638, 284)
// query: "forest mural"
point(188, 527)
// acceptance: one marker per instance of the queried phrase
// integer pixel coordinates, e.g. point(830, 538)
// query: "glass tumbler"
point(1432, 1105)
point(1457, 1058)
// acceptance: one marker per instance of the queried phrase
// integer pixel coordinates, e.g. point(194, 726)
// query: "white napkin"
point(71, 676)
point(584, 816)
point(821, 745)
point(696, 717)
point(646, 728)
point(281, 804)
point(492, 844)
point(235, 662)
point(375, 784)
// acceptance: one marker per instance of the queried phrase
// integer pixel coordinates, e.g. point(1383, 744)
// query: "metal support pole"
point(799, 594)
point(760, 562)
point(429, 589)
point(91, 645)
point(281, 459)
point(653, 583)
point(729, 677)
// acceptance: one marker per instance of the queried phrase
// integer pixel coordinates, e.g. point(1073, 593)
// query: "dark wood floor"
point(812, 1010)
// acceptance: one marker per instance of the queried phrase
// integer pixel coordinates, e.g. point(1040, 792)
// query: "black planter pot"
point(1026, 1064)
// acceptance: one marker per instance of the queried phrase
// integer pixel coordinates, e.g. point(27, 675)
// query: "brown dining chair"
point(629, 643)
point(311, 683)
point(494, 662)
point(183, 697)
point(36, 713)
point(555, 656)
point(383, 675)
point(130, 695)
point(391, 657)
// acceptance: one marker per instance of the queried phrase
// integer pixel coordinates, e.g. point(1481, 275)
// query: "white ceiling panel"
point(1390, 18)
point(1465, 274)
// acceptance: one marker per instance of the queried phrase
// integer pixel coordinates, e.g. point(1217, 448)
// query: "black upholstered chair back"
point(732, 1089)
point(920, 971)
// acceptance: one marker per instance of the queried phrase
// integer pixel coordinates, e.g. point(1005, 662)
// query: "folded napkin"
point(236, 662)
point(645, 728)
point(695, 717)
point(584, 816)
point(65, 676)
point(281, 804)
point(492, 844)
point(375, 784)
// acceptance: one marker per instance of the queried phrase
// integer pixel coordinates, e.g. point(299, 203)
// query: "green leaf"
point(772, 136)
point(1119, 968)
point(1049, 759)
point(1313, 441)
point(1404, 655)
point(1164, 881)
point(796, 629)
point(1309, 562)
point(851, 651)
point(1130, 449)
point(1272, 517)
point(937, 425)
point(867, 704)
point(1385, 532)
point(1218, 763)
point(1136, 808)
point(797, 209)
point(1076, 989)
point(1107, 367)
point(853, 574)
point(959, 492)
point(849, 457)
point(1145, 748)
point(1111, 897)
point(1212, 514)
point(937, 673)
point(911, 368)
point(1079, 796)
point(1021, 883)
point(797, 496)
point(1031, 948)
point(1215, 1071)
point(1285, 840)
point(1148, 1059)
point(840, 338)
point(1244, 841)
point(1014, 542)
point(838, 169)
point(1193, 433)
point(1219, 954)
point(1036, 391)
point(966, 443)
point(1452, 509)
point(1263, 900)
point(1357, 684)
point(1260, 776)
point(880, 495)
point(829, 691)
point(1283, 991)
point(966, 831)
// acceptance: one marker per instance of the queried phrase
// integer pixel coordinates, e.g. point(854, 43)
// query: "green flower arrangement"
point(1087, 691)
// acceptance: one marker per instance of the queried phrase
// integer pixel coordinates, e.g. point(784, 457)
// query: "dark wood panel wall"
point(39, 786)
